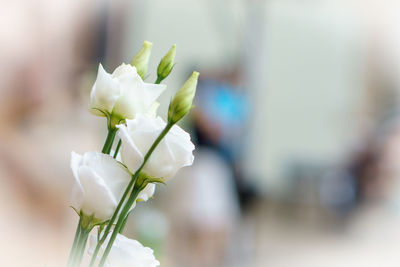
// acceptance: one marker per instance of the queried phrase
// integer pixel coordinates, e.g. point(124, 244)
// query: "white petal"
point(104, 94)
point(160, 163)
point(153, 91)
point(126, 252)
point(146, 123)
point(173, 152)
point(99, 200)
point(124, 69)
point(114, 175)
point(152, 112)
point(181, 137)
point(147, 192)
point(182, 147)
point(133, 96)
point(136, 96)
point(130, 154)
point(129, 104)
point(76, 160)
point(77, 190)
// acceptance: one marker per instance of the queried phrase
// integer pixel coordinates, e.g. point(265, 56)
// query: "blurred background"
point(297, 127)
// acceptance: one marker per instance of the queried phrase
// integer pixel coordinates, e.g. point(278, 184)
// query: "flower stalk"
point(85, 225)
point(109, 140)
point(111, 222)
point(139, 185)
point(117, 149)
point(124, 222)
point(72, 255)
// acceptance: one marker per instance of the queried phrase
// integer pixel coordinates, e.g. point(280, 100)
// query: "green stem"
point(154, 145)
point(72, 255)
point(124, 222)
point(117, 149)
point(109, 141)
point(85, 226)
point(81, 245)
point(121, 219)
point(111, 222)
point(159, 80)
point(132, 197)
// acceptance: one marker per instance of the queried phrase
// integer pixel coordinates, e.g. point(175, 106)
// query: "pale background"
point(320, 145)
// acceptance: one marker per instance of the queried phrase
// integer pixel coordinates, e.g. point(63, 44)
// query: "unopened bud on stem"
point(141, 60)
point(183, 99)
point(166, 64)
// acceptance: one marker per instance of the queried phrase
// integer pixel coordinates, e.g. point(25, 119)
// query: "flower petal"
point(172, 153)
point(99, 200)
point(147, 192)
point(114, 175)
point(104, 94)
point(126, 252)
point(77, 190)
point(131, 156)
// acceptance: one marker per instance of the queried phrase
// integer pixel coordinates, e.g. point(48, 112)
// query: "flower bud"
point(141, 60)
point(183, 100)
point(166, 64)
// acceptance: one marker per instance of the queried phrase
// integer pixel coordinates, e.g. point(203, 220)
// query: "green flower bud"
point(166, 64)
point(183, 100)
point(141, 60)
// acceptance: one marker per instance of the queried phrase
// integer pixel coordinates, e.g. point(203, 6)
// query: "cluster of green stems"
point(86, 223)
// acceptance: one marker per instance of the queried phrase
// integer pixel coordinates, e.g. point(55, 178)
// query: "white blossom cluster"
point(101, 178)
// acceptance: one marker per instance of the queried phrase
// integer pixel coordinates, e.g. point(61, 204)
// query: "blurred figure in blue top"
point(220, 118)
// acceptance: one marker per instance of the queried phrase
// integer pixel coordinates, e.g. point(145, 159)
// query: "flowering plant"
point(149, 151)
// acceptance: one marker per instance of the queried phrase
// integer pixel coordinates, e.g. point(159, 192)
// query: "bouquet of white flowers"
point(149, 151)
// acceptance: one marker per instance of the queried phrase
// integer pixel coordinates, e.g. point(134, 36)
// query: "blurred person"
point(378, 215)
point(205, 212)
point(220, 120)
point(208, 192)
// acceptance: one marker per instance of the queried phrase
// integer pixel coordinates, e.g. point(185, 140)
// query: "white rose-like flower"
point(122, 93)
point(173, 152)
point(125, 252)
point(100, 182)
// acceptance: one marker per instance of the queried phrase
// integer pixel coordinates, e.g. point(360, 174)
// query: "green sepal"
point(89, 221)
point(77, 212)
point(114, 120)
point(123, 165)
point(106, 114)
point(149, 179)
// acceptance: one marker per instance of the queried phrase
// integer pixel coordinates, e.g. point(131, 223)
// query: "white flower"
point(100, 182)
point(125, 252)
point(173, 152)
point(122, 93)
